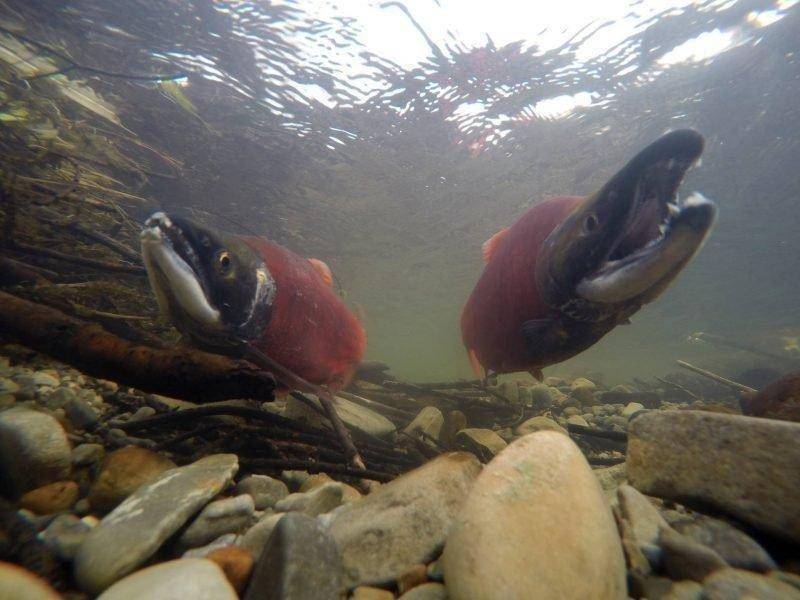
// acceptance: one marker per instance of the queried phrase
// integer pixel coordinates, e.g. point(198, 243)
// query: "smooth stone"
point(484, 443)
point(352, 414)
point(316, 502)
point(85, 455)
point(638, 563)
point(65, 534)
point(143, 412)
point(737, 548)
point(577, 420)
point(736, 584)
point(436, 571)
point(228, 515)
point(538, 424)
point(123, 472)
point(236, 563)
point(255, 539)
point(300, 562)
point(195, 578)
point(736, 464)
point(264, 490)
point(364, 592)
point(412, 577)
point(554, 381)
point(454, 421)
point(684, 590)
point(133, 531)
point(542, 396)
point(683, 558)
point(535, 525)
point(426, 591)
point(81, 414)
point(645, 520)
point(46, 379)
point(510, 389)
point(583, 390)
point(429, 421)
point(8, 386)
point(631, 409)
point(34, 451)
point(17, 583)
point(51, 498)
point(294, 479)
point(349, 493)
point(223, 541)
point(404, 522)
point(572, 411)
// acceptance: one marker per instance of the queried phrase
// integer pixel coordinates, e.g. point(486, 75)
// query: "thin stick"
point(315, 467)
point(686, 391)
point(78, 260)
point(718, 378)
point(108, 241)
point(719, 340)
point(617, 436)
point(284, 375)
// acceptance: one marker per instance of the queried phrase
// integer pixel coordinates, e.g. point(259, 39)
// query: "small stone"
point(436, 571)
point(631, 409)
point(729, 584)
point(34, 450)
point(426, 591)
point(685, 559)
point(737, 548)
point(137, 528)
point(428, 421)
point(404, 522)
point(484, 443)
point(577, 420)
point(256, 537)
point(316, 502)
point(733, 463)
point(264, 490)
point(82, 507)
point(535, 525)
point(684, 590)
point(236, 563)
point(554, 381)
point(364, 592)
point(454, 422)
point(195, 578)
point(542, 396)
point(51, 498)
point(17, 583)
point(571, 411)
point(294, 479)
point(229, 515)
point(645, 520)
point(223, 541)
point(8, 386)
point(583, 390)
point(300, 562)
point(81, 414)
point(510, 389)
point(352, 414)
point(143, 412)
point(46, 379)
point(86, 455)
point(349, 493)
point(65, 534)
point(122, 473)
point(413, 576)
point(538, 424)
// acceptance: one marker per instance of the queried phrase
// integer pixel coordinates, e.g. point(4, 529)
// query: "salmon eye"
point(591, 223)
point(224, 262)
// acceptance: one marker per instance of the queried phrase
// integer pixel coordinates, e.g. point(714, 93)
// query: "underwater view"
point(419, 299)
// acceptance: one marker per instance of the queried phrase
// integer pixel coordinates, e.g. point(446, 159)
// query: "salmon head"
point(215, 288)
point(622, 246)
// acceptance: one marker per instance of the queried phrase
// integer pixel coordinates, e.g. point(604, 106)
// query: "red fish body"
point(310, 332)
point(506, 295)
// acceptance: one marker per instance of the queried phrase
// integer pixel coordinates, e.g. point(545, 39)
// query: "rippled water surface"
point(391, 139)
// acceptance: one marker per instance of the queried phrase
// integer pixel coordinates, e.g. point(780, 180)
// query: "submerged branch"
point(177, 372)
point(718, 378)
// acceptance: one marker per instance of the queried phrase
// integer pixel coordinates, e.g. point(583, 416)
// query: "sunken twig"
point(718, 378)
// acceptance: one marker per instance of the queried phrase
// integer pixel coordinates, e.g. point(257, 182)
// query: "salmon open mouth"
point(662, 232)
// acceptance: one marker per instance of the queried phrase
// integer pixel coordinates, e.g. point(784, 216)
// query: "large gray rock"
point(300, 562)
point(194, 578)
point(535, 525)
point(352, 414)
point(734, 584)
point(737, 548)
point(34, 451)
point(744, 466)
point(133, 531)
point(404, 522)
point(256, 537)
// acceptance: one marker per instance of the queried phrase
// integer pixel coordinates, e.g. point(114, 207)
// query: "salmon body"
point(310, 331)
point(226, 292)
point(571, 269)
